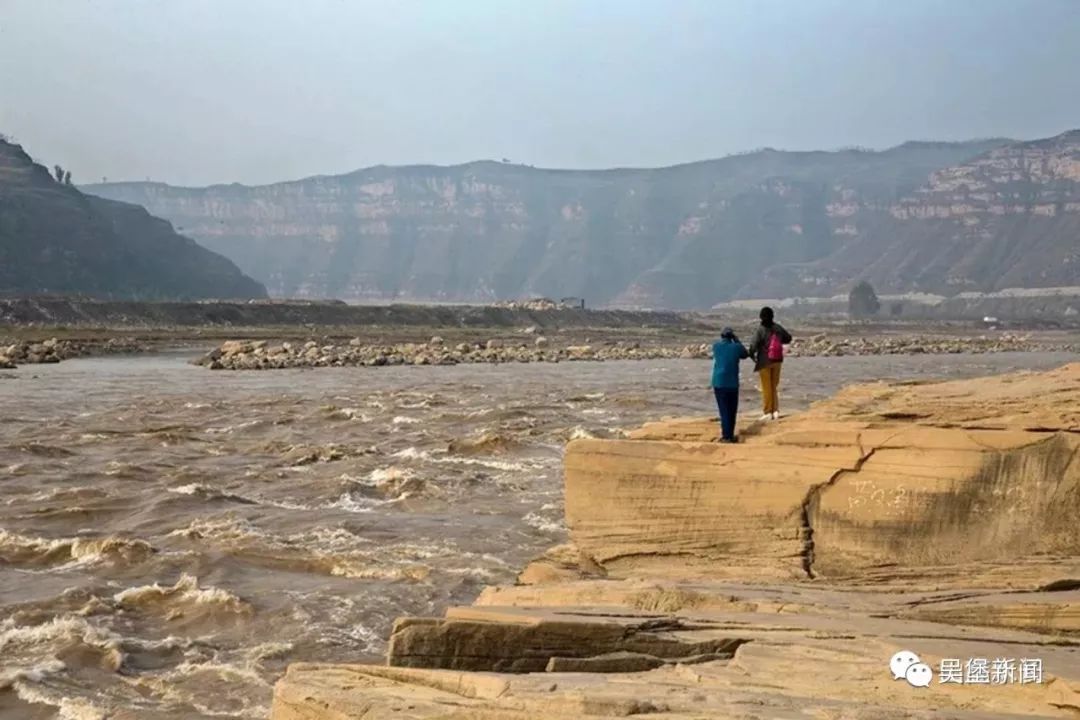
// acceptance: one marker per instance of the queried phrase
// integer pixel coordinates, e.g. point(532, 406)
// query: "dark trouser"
point(727, 401)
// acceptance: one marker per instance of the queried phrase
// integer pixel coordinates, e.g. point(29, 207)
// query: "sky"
point(195, 92)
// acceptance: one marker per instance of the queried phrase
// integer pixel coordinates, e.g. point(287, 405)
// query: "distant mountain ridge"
point(763, 224)
point(55, 239)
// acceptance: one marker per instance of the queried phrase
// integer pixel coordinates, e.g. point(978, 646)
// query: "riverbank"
point(789, 576)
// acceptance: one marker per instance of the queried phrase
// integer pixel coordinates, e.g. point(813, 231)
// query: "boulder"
point(235, 347)
point(520, 640)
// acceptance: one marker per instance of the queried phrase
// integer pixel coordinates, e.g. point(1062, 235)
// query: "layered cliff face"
point(680, 237)
point(1009, 218)
point(55, 239)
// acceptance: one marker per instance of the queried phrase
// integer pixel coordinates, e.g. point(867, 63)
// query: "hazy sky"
point(203, 91)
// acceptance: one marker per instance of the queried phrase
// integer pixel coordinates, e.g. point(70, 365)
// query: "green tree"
point(863, 301)
point(59, 173)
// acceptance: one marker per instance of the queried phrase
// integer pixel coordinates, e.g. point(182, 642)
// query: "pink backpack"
point(774, 349)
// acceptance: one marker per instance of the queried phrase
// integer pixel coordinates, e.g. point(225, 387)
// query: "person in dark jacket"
point(767, 350)
point(727, 352)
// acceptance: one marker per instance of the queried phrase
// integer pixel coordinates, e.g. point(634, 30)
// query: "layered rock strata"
point(776, 578)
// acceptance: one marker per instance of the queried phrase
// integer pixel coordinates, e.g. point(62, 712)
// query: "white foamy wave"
point(267, 651)
point(114, 468)
point(209, 493)
point(186, 590)
point(405, 420)
point(332, 538)
point(283, 504)
point(543, 524)
point(189, 489)
point(225, 671)
point(67, 708)
point(198, 674)
point(412, 453)
point(580, 433)
point(34, 673)
point(483, 462)
point(475, 573)
point(28, 549)
point(226, 429)
point(349, 503)
point(363, 570)
point(414, 405)
point(364, 634)
point(393, 473)
point(350, 413)
point(65, 629)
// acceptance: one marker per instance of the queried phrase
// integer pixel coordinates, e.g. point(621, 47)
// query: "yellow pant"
point(770, 384)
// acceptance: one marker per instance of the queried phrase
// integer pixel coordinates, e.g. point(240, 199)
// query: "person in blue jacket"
point(727, 352)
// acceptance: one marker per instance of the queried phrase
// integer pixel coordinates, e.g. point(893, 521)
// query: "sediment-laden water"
point(172, 538)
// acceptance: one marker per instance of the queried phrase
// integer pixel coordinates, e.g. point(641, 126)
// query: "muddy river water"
point(171, 537)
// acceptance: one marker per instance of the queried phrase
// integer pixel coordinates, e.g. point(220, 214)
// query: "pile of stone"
point(28, 352)
point(823, 346)
point(261, 355)
point(533, 304)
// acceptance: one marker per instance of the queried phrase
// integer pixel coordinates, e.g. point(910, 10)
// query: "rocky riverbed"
point(263, 355)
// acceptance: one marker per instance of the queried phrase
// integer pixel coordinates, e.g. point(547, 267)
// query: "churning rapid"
point(171, 538)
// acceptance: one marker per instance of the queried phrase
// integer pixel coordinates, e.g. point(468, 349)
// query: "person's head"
point(727, 334)
point(766, 316)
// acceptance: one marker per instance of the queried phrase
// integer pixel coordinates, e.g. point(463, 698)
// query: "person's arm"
point(785, 336)
point(743, 354)
point(755, 344)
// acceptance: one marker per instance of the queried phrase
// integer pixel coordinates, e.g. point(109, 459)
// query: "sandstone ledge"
point(775, 578)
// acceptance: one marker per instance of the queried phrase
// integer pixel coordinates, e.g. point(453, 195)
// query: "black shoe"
point(729, 440)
